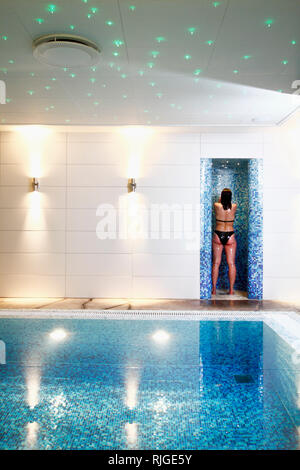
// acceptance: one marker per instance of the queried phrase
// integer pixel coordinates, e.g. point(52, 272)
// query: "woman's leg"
point(217, 256)
point(230, 250)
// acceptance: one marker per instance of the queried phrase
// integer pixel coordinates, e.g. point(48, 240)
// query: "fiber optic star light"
point(118, 42)
point(51, 8)
point(269, 22)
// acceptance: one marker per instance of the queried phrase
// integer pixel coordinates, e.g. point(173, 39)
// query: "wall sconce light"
point(35, 184)
point(131, 185)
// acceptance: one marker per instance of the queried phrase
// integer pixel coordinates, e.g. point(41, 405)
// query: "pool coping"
point(133, 314)
point(143, 314)
point(285, 323)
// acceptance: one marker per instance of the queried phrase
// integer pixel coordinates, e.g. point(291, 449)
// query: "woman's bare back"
point(224, 219)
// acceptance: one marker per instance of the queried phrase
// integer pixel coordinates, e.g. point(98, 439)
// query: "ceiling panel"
point(163, 62)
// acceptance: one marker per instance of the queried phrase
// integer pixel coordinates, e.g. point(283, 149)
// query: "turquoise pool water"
point(147, 384)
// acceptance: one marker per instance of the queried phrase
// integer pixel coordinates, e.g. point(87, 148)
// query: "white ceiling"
point(128, 89)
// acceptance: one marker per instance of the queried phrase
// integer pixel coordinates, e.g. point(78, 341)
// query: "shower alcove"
point(244, 178)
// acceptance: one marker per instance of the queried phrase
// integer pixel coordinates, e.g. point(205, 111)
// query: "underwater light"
point(161, 336)
point(59, 334)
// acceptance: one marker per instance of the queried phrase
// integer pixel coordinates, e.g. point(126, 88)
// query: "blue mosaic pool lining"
point(244, 176)
point(110, 387)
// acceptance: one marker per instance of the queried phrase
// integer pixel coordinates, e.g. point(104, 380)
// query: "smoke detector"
point(66, 50)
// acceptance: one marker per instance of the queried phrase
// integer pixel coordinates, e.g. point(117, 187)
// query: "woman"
point(224, 238)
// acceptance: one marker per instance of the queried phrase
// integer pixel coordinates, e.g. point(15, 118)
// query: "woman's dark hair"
point(226, 196)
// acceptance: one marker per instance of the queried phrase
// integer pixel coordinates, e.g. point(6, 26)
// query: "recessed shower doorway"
point(244, 178)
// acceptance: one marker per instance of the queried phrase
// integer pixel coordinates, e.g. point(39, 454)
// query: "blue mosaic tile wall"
point(244, 177)
point(205, 228)
point(255, 238)
point(233, 174)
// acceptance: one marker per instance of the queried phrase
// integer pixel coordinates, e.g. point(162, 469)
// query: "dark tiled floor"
point(147, 304)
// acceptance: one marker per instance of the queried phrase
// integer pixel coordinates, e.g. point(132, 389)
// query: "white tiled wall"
point(52, 250)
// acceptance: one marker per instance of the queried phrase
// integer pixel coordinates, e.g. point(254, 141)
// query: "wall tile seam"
point(231, 142)
point(123, 187)
point(111, 276)
point(117, 165)
point(282, 277)
point(273, 232)
point(275, 211)
point(282, 188)
point(121, 239)
point(56, 208)
point(35, 274)
point(113, 142)
point(18, 141)
point(112, 253)
point(21, 164)
point(17, 253)
point(26, 188)
point(34, 230)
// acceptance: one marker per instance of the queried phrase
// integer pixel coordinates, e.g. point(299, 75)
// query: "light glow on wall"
point(134, 165)
point(136, 138)
point(34, 213)
point(34, 141)
point(35, 164)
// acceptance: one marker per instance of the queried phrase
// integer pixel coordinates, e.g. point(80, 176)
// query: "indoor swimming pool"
point(181, 382)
